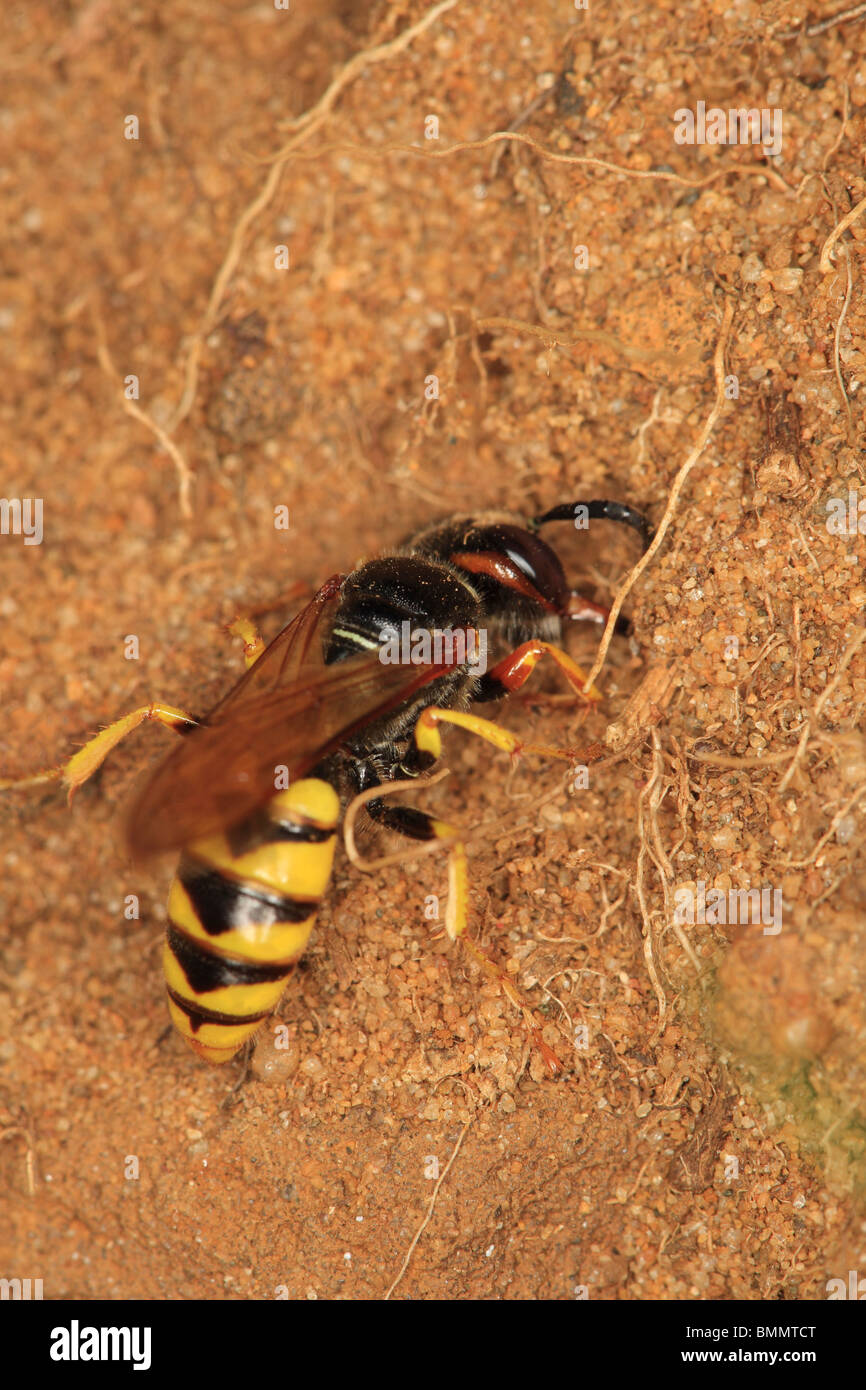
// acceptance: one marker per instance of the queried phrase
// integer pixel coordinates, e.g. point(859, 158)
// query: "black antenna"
point(602, 511)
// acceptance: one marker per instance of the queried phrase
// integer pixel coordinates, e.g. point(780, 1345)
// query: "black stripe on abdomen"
point(205, 971)
point(222, 905)
point(261, 829)
point(198, 1015)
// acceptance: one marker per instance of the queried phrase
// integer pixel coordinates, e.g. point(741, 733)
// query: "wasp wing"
point(293, 648)
point(290, 716)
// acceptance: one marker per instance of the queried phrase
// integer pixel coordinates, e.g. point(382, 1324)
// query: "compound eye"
point(518, 560)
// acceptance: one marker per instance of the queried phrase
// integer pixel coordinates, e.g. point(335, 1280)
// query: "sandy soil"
point(706, 1137)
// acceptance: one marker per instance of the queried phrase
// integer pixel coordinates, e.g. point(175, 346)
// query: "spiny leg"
point(504, 678)
point(428, 740)
point(254, 644)
point(82, 765)
point(507, 676)
point(514, 670)
point(420, 825)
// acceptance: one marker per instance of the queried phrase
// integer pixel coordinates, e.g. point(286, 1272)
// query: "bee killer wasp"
point(252, 795)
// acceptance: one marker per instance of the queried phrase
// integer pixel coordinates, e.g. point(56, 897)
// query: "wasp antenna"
point(600, 511)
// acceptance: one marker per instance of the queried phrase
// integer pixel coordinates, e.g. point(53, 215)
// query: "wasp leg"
point(253, 641)
point(428, 740)
point(84, 763)
point(513, 994)
point(244, 627)
point(426, 749)
point(420, 825)
point(514, 670)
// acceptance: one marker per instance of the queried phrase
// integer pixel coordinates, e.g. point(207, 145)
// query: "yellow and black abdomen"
point(241, 909)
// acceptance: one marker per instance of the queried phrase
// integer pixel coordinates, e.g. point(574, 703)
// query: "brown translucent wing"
point(292, 716)
point(298, 645)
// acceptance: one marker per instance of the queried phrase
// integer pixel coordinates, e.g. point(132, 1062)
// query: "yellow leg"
point(458, 877)
point(420, 825)
point(254, 643)
point(429, 740)
point(514, 670)
point(84, 763)
point(455, 926)
point(514, 996)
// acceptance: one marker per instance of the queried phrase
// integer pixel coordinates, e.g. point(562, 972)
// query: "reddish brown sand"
point(706, 1137)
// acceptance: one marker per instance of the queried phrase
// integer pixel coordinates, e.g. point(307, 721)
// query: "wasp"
point(253, 794)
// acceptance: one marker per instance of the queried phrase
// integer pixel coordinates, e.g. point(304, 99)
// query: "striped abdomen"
point(241, 909)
